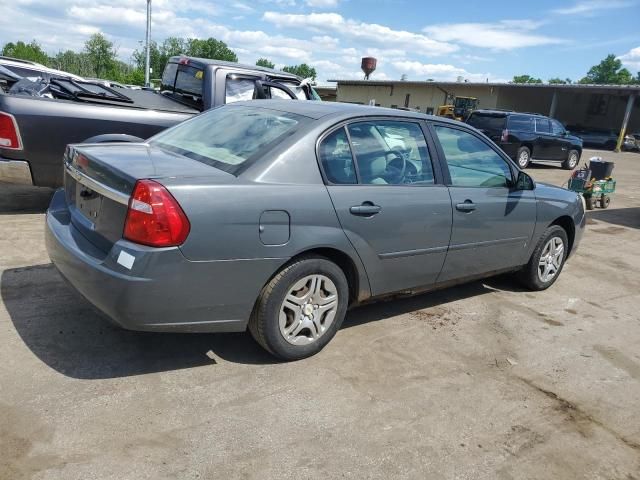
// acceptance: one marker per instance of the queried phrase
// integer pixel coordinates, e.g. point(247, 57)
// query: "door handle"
point(367, 209)
point(467, 206)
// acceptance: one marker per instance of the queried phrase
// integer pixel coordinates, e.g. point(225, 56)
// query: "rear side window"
point(486, 122)
point(229, 136)
point(521, 123)
point(337, 161)
point(238, 89)
point(542, 125)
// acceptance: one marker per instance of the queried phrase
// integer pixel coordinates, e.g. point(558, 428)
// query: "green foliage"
point(525, 79)
point(26, 51)
point(608, 71)
point(303, 70)
point(559, 81)
point(210, 48)
point(264, 62)
point(102, 55)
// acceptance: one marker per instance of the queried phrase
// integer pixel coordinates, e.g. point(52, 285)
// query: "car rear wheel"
point(523, 157)
point(547, 260)
point(572, 160)
point(301, 308)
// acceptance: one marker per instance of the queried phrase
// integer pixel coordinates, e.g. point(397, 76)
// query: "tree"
point(525, 79)
point(303, 70)
point(72, 62)
point(608, 71)
point(26, 51)
point(559, 81)
point(263, 62)
point(101, 54)
point(210, 48)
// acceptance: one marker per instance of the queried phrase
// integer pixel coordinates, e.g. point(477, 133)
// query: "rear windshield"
point(229, 137)
point(484, 121)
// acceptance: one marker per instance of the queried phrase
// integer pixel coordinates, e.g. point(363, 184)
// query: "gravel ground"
point(483, 381)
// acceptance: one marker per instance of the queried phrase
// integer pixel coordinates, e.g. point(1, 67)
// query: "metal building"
point(587, 106)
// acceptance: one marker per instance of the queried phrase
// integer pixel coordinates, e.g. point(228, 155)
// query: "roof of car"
point(222, 63)
point(497, 111)
point(316, 109)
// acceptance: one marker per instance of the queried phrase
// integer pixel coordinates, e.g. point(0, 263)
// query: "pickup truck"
point(35, 129)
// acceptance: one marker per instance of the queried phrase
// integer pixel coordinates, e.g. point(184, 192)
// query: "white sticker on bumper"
point(126, 259)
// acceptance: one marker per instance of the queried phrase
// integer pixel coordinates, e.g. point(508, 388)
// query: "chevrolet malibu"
point(278, 215)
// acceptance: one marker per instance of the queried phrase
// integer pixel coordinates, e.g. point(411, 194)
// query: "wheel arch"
point(566, 223)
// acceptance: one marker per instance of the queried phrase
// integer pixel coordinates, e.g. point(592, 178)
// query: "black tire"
point(605, 200)
point(264, 323)
point(573, 158)
point(528, 276)
point(523, 157)
point(590, 202)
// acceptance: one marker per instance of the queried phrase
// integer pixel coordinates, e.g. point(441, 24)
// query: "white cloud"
point(631, 59)
point(503, 35)
point(369, 32)
point(589, 7)
point(440, 71)
point(322, 3)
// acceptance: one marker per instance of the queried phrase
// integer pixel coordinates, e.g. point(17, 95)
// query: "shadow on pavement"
point(64, 331)
point(18, 199)
point(627, 217)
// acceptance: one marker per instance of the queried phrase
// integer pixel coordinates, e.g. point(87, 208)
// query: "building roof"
point(412, 83)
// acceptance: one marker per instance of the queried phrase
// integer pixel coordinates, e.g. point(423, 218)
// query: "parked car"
point(34, 131)
point(596, 138)
point(528, 136)
point(278, 215)
point(33, 70)
point(631, 142)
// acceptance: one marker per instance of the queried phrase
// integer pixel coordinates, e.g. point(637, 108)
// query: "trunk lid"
point(100, 178)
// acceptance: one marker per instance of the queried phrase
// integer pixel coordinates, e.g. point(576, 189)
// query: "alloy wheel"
point(308, 309)
point(523, 159)
point(551, 259)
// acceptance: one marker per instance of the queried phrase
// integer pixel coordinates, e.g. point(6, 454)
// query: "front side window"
point(391, 152)
point(472, 162)
point(557, 128)
point(337, 161)
point(239, 89)
point(295, 88)
point(542, 125)
point(229, 136)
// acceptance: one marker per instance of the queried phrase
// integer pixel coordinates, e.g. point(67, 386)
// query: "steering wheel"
point(396, 154)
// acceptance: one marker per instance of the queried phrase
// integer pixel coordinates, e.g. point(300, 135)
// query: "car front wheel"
point(572, 160)
point(547, 259)
point(301, 308)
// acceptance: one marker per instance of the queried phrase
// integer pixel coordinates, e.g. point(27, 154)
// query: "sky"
point(443, 40)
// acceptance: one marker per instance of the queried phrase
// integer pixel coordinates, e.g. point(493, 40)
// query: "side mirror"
point(524, 182)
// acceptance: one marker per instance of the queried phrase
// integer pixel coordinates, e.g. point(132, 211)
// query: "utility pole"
point(148, 47)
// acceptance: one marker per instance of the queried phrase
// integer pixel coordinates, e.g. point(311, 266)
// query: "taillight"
point(154, 217)
point(9, 134)
point(505, 135)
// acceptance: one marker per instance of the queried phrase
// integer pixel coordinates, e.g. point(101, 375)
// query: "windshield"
point(229, 136)
point(486, 122)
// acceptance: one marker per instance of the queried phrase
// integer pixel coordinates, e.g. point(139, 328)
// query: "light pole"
point(148, 49)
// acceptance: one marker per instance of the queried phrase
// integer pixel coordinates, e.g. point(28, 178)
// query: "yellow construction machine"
point(458, 108)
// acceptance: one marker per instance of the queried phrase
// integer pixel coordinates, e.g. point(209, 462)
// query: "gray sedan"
point(277, 216)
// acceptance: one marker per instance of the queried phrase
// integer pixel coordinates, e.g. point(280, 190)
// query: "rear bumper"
point(162, 291)
point(15, 171)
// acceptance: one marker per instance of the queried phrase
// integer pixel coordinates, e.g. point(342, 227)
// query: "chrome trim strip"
point(15, 171)
point(488, 243)
point(103, 190)
point(412, 253)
